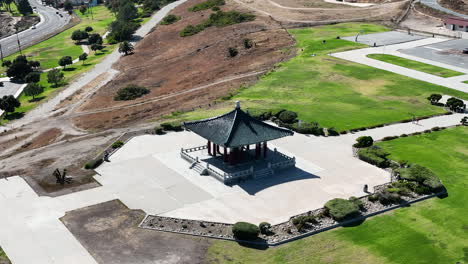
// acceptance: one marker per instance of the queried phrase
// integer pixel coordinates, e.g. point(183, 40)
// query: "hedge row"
point(375, 156)
point(341, 209)
point(436, 128)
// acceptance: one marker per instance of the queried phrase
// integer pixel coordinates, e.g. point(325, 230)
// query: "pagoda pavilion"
point(237, 138)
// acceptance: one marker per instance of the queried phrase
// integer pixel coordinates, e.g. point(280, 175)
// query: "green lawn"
point(338, 93)
point(3, 257)
point(50, 51)
point(432, 231)
point(415, 65)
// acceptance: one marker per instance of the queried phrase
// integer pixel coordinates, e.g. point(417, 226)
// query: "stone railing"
point(187, 157)
point(284, 164)
point(231, 177)
point(194, 149)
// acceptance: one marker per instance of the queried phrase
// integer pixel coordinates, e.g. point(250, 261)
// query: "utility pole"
point(1, 53)
point(19, 44)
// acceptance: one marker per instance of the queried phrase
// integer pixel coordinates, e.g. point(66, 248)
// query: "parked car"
point(33, 27)
point(465, 51)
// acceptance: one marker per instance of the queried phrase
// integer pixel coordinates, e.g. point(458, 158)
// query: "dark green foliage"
point(79, 35)
point(264, 228)
point(373, 198)
point(117, 144)
point(434, 98)
point(55, 76)
point(386, 197)
point(33, 89)
point(464, 121)
point(232, 52)
point(122, 30)
point(130, 92)
point(421, 175)
point(170, 19)
point(364, 142)
point(94, 38)
point(24, 7)
point(83, 57)
point(68, 6)
point(126, 48)
point(127, 11)
point(248, 43)
point(172, 126)
point(159, 130)
point(277, 112)
point(301, 221)
point(33, 77)
point(218, 19)
point(89, 29)
point(83, 10)
point(6, 63)
point(64, 61)
point(245, 231)
point(95, 47)
point(341, 209)
point(34, 64)
point(93, 164)
point(8, 103)
point(206, 5)
point(19, 68)
point(307, 128)
point(455, 104)
point(375, 156)
point(357, 202)
point(215, 9)
point(288, 117)
point(332, 132)
point(259, 114)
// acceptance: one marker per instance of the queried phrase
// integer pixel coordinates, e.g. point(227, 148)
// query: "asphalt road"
point(50, 23)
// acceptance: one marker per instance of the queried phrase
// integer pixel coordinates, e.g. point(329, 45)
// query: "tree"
point(55, 76)
point(434, 98)
point(95, 47)
point(83, 9)
point(33, 89)
point(122, 30)
point(127, 11)
point(33, 77)
point(24, 7)
point(464, 121)
point(68, 6)
point(455, 104)
point(19, 68)
point(364, 142)
point(89, 29)
point(6, 63)
point(64, 61)
point(83, 57)
point(126, 47)
point(34, 64)
point(94, 38)
point(8, 103)
point(79, 35)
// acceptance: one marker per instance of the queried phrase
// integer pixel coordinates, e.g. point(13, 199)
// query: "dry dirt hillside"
point(7, 24)
point(456, 5)
point(168, 64)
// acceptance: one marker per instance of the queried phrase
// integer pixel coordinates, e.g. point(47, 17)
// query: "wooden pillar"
point(209, 148)
point(217, 149)
point(257, 151)
point(231, 157)
point(214, 150)
point(265, 149)
point(225, 155)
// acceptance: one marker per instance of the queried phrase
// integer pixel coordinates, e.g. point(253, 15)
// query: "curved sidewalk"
point(434, 4)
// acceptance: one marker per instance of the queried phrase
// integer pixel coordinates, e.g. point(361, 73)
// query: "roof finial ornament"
point(237, 104)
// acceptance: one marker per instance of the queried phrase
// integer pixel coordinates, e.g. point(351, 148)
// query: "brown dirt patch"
point(6, 144)
point(47, 137)
point(460, 6)
point(110, 233)
point(166, 63)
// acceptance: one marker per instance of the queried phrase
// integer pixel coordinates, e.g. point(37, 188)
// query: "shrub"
point(287, 116)
point(403, 135)
point(216, 8)
point(364, 142)
point(172, 126)
point(373, 198)
point(91, 165)
point(357, 202)
point(341, 209)
point(375, 156)
point(308, 128)
point(264, 228)
point(130, 92)
point(232, 52)
point(245, 231)
point(434, 98)
point(248, 43)
point(389, 138)
point(421, 175)
point(389, 198)
point(170, 19)
point(218, 19)
point(259, 114)
point(277, 112)
point(117, 144)
point(300, 221)
point(88, 29)
point(159, 130)
point(206, 5)
point(436, 128)
point(333, 132)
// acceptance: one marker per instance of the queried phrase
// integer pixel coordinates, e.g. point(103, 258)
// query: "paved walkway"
point(434, 4)
point(360, 56)
point(147, 173)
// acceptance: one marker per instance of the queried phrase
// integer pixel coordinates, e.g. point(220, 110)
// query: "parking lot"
point(448, 52)
point(9, 88)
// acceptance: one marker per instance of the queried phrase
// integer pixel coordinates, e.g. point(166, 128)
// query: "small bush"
point(172, 126)
point(117, 144)
point(357, 202)
point(389, 198)
point(389, 138)
point(130, 92)
point(421, 175)
point(248, 43)
point(403, 135)
point(436, 128)
point(308, 128)
point(287, 117)
point(232, 52)
point(93, 164)
point(373, 198)
point(215, 9)
point(259, 114)
point(300, 221)
point(264, 228)
point(333, 132)
point(170, 19)
point(245, 231)
point(364, 142)
point(159, 130)
point(375, 156)
point(340, 209)
point(277, 112)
